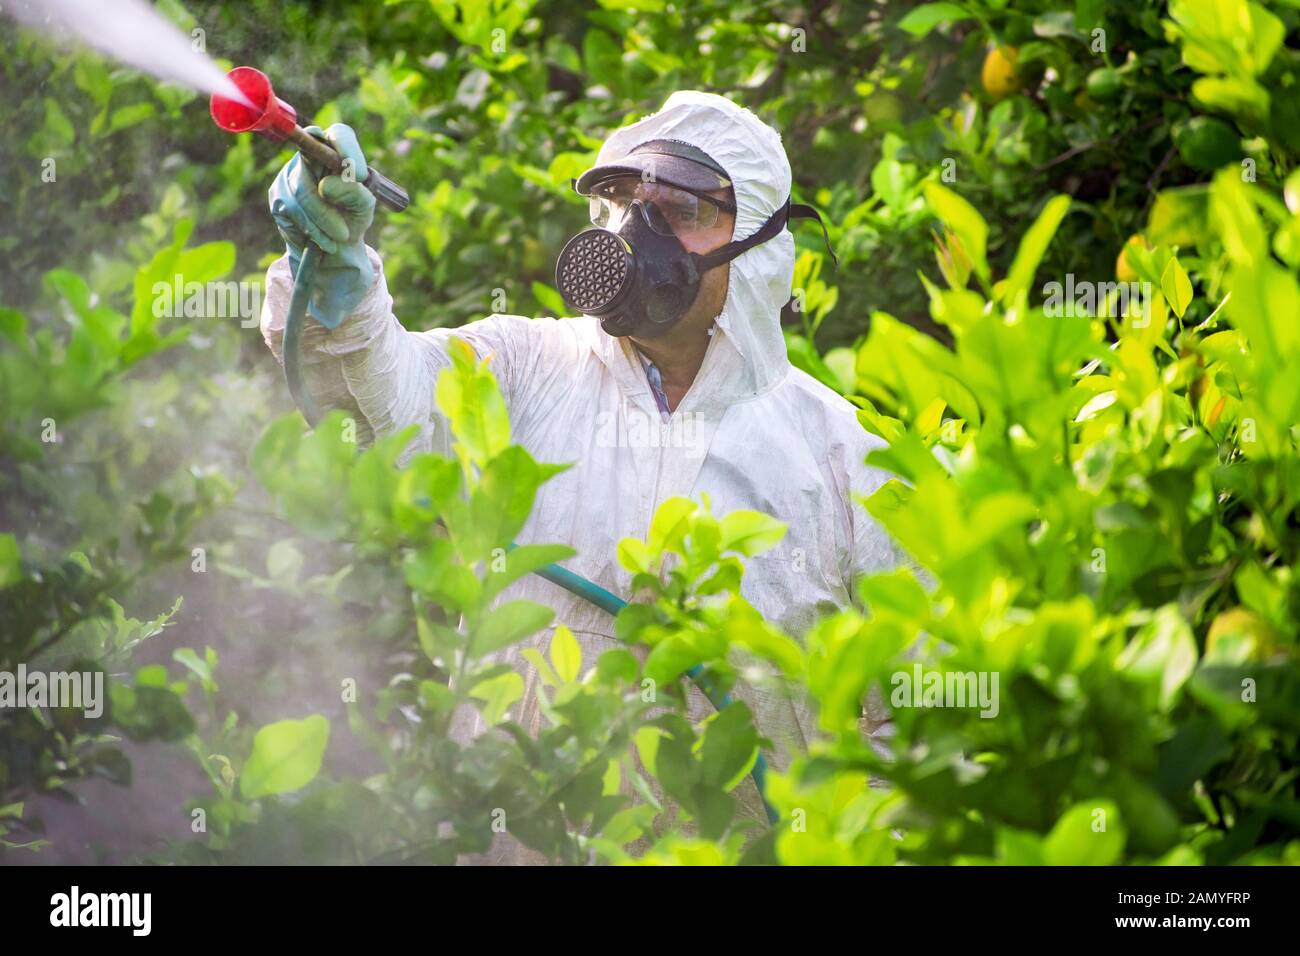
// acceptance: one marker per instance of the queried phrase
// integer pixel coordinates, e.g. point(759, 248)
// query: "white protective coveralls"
point(752, 432)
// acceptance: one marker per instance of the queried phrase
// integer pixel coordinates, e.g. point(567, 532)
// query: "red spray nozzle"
point(268, 114)
point(271, 116)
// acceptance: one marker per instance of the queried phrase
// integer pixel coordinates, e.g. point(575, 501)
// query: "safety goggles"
point(670, 210)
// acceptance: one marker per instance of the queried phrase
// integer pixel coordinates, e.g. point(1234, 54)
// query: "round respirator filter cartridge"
point(593, 270)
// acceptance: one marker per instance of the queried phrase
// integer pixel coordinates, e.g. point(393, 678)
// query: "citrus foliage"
point(1100, 492)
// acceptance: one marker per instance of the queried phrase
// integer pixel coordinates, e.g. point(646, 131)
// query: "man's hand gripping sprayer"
point(271, 116)
point(275, 119)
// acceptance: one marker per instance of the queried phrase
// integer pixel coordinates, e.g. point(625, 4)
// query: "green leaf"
point(962, 218)
point(1178, 216)
point(286, 757)
point(670, 525)
point(1034, 245)
point(468, 395)
point(522, 560)
point(434, 570)
point(438, 641)
point(59, 131)
point(11, 561)
point(1088, 14)
point(1176, 287)
point(186, 657)
point(436, 698)
point(895, 592)
point(1163, 653)
point(1233, 216)
point(509, 624)
point(744, 627)
point(284, 562)
point(617, 664)
point(1088, 834)
point(647, 746)
point(150, 712)
point(274, 453)
point(634, 555)
point(13, 325)
point(130, 116)
point(498, 693)
point(500, 505)
point(151, 675)
point(1019, 848)
point(207, 262)
point(544, 669)
point(729, 746)
point(566, 654)
point(675, 655)
point(927, 16)
point(550, 299)
point(750, 532)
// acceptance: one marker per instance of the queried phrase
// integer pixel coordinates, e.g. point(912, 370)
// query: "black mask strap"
point(775, 223)
point(800, 211)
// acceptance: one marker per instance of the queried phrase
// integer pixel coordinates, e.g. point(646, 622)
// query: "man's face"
point(713, 284)
point(700, 226)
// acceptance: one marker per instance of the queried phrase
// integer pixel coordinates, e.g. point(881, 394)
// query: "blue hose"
point(573, 583)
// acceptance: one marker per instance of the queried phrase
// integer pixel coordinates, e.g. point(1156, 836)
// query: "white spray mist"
point(128, 30)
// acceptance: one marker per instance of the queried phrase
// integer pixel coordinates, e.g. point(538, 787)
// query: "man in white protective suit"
point(671, 344)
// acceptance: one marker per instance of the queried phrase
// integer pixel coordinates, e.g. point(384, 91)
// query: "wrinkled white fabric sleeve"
point(373, 368)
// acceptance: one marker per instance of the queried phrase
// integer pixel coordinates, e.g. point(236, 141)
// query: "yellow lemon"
point(1123, 271)
point(999, 73)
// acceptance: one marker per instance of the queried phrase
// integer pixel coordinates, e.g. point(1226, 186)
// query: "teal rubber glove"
point(334, 212)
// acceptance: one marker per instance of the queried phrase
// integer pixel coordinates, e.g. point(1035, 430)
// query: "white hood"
point(751, 153)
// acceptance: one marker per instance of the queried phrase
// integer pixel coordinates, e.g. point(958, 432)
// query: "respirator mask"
point(632, 271)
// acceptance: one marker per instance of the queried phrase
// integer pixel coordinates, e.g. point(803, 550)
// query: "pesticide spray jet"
point(129, 30)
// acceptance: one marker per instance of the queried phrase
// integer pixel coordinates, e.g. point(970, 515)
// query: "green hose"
point(302, 283)
point(573, 583)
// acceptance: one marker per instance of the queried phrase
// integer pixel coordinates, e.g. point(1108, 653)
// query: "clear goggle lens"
point(672, 211)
